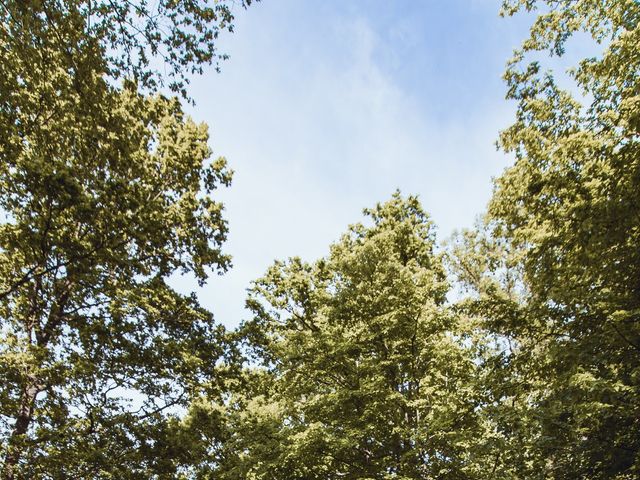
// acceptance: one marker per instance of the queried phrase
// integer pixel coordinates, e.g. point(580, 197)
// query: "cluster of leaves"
point(364, 372)
point(154, 44)
point(104, 193)
point(565, 221)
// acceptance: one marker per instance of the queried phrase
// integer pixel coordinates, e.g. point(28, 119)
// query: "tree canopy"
point(511, 352)
point(365, 373)
point(154, 44)
point(564, 221)
point(104, 193)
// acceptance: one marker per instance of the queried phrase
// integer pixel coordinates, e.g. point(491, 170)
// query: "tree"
point(569, 209)
point(511, 355)
point(104, 193)
point(87, 317)
point(366, 373)
point(154, 44)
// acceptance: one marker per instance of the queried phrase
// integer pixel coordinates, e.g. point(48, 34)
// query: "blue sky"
point(327, 107)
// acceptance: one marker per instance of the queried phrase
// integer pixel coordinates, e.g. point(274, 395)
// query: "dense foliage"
point(366, 374)
point(564, 220)
point(104, 193)
point(369, 363)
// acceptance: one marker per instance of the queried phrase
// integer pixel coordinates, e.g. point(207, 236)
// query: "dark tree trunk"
point(23, 419)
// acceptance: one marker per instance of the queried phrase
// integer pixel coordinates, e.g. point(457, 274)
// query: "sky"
point(327, 107)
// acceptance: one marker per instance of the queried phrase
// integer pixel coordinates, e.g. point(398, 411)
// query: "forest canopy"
point(509, 351)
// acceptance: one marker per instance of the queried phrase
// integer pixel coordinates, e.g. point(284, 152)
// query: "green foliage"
point(366, 373)
point(358, 367)
point(151, 43)
point(96, 222)
point(104, 193)
point(566, 217)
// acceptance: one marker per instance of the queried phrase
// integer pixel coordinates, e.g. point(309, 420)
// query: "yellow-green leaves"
point(366, 373)
point(570, 207)
point(104, 193)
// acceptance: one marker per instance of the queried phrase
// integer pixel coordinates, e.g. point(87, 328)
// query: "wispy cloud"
point(318, 124)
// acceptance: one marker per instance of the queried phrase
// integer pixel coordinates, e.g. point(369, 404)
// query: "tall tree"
point(366, 374)
point(96, 222)
point(104, 193)
point(570, 208)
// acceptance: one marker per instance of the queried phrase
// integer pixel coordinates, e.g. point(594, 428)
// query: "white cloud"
point(316, 129)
